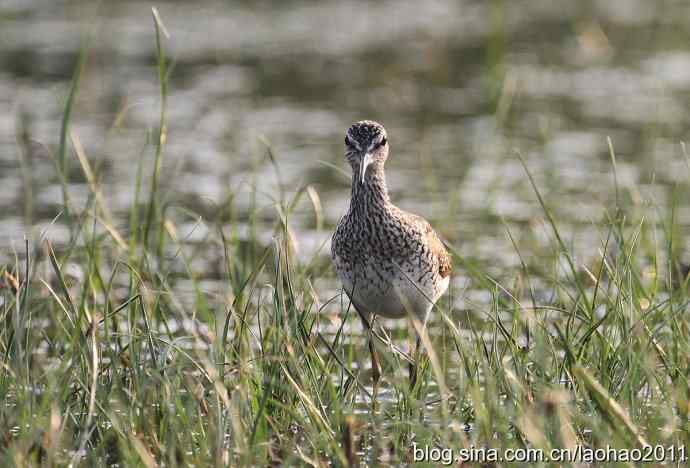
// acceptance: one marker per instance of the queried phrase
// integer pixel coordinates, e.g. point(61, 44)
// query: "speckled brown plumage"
point(390, 262)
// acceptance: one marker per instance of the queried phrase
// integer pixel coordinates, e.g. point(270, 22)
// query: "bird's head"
point(366, 143)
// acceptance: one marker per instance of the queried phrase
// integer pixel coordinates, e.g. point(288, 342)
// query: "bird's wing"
point(438, 250)
point(445, 265)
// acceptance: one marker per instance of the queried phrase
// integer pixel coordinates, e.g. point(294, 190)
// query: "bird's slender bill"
point(366, 160)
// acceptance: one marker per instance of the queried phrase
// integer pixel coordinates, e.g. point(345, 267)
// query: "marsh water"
point(261, 93)
point(463, 87)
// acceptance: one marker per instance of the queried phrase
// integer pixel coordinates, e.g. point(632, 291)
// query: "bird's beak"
point(366, 160)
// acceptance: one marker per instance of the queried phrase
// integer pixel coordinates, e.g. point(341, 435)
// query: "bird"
point(391, 263)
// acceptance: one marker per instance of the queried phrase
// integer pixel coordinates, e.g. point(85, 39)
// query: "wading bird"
point(391, 263)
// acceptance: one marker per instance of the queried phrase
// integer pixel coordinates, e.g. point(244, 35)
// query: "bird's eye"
point(347, 141)
point(383, 141)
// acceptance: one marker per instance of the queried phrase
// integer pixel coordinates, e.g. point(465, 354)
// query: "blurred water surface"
point(460, 86)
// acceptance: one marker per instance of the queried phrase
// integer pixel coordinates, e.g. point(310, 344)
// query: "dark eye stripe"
point(383, 142)
point(347, 141)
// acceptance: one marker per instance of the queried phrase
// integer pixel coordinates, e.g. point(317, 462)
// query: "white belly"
point(393, 295)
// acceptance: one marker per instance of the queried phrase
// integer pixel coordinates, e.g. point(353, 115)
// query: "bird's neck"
point(372, 195)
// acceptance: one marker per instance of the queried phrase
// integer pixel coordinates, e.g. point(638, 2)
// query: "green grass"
point(97, 370)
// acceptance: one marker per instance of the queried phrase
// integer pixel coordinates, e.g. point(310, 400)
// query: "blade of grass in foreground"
point(549, 216)
point(64, 127)
point(162, 129)
point(610, 407)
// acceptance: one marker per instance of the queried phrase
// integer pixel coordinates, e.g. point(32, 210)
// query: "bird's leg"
point(375, 367)
point(414, 355)
point(414, 362)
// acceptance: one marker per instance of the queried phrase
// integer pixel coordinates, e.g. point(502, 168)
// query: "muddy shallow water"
point(461, 87)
